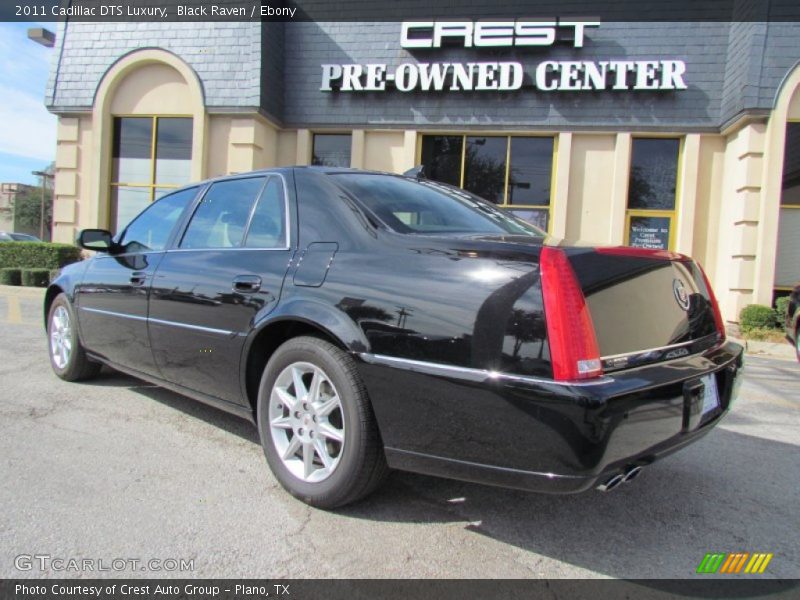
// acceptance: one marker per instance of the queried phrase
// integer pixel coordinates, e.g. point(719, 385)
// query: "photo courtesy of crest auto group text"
point(321, 300)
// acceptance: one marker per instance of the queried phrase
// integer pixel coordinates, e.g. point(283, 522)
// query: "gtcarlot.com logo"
point(734, 563)
point(47, 562)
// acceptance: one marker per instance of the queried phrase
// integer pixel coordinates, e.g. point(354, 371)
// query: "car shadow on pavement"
point(729, 492)
point(213, 416)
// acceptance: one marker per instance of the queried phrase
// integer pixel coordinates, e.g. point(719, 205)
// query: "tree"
point(28, 203)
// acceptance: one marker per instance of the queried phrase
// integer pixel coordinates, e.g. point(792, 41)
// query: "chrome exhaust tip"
point(611, 483)
point(631, 474)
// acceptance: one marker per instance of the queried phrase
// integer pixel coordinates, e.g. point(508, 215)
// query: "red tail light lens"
point(714, 305)
point(574, 352)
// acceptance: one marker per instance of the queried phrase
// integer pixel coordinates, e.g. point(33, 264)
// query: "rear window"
point(427, 207)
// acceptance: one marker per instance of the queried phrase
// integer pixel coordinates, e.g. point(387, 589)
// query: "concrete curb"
point(783, 351)
point(21, 291)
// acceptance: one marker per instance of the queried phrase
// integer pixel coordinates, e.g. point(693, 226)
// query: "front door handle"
point(138, 278)
point(246, 284)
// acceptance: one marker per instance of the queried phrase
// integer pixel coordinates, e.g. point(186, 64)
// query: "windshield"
point(428, 207)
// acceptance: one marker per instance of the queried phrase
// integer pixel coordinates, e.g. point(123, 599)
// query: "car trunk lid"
point(646, 306)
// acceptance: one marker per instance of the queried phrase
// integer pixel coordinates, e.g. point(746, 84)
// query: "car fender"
point(325, 317)
point(68, 279)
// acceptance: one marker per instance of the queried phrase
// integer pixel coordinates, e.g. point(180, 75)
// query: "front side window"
point(150, 230)
point(150, 156)
point(331, 150)
point(514, 172)
point(221, 217)
point(652, 193)
point(428, 207)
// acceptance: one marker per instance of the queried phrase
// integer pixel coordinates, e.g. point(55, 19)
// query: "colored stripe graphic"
point(710, 563)
point(758, 563)
point(733, 563)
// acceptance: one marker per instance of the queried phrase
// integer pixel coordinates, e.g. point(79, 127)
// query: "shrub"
point(35, 277)
point(760, 334)
point(782, 308)
point(37, 255)
point(10, 276)
point(757, 316)
point(54, 273)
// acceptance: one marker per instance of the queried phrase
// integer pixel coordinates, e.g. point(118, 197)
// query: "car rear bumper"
point(538, 435)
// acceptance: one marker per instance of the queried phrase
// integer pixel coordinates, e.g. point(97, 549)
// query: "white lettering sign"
point(548, 76)
point(492, 34)
point(503, 76)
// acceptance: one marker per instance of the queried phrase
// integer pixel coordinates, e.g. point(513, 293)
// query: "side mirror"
point(98, 240)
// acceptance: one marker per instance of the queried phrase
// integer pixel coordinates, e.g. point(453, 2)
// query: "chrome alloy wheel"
point(307, 422)
point(61, 337)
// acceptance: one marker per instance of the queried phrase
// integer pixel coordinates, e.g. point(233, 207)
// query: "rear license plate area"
point(701, 401)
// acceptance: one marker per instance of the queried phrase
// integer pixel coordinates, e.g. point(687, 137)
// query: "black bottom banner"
point(389, 589)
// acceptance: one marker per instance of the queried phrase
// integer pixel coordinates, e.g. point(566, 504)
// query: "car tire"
point(797, 343)
point(67, 355)
point(304, 378)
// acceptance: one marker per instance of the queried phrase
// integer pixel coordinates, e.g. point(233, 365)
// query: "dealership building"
point(681, 135)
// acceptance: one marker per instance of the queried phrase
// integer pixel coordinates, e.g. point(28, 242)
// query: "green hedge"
point(757, 316)
point(37, 255)
point(10, 276)
point(782, 308)
point(35, 277)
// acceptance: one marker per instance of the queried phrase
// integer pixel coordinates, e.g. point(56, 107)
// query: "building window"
point(512, 171)
point(150, 156)
point(331, 149)
point(787, 263)
point(441, 155)
point(652, 189)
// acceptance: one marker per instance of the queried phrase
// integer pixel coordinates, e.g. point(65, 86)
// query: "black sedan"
point(366, 321)
point(793, 320)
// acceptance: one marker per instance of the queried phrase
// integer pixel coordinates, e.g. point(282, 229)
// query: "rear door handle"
point(138, 277)
point(246, 284)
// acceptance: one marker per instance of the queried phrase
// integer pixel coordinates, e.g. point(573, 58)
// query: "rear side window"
point(268, 226)
point(221, 217)
point(428, 207)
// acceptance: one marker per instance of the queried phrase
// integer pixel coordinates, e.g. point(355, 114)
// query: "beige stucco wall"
point(710, 168)
point(383, 151)
point(74, 206)
point(591, 181)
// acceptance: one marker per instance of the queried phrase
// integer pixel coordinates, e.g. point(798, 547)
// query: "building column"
point(408, 159)
point(619, 188)
point(253, 144)
point(687, 193)
point(739, 220)
point(304, 141)
point(558, 213)
point(357, 142)
point(65, 191)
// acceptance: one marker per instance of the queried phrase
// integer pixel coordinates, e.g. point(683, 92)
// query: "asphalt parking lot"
point(117, 468)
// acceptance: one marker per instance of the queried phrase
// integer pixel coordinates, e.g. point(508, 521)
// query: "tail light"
point(714, 305)
point(574, 352)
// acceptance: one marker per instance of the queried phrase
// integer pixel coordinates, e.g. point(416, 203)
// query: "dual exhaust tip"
point(629, 475)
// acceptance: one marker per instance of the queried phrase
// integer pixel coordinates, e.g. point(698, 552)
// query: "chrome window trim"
point(471, 374)
point(266, 175)
point(111, 313)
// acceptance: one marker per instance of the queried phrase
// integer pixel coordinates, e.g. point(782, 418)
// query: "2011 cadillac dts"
point(367, 320)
